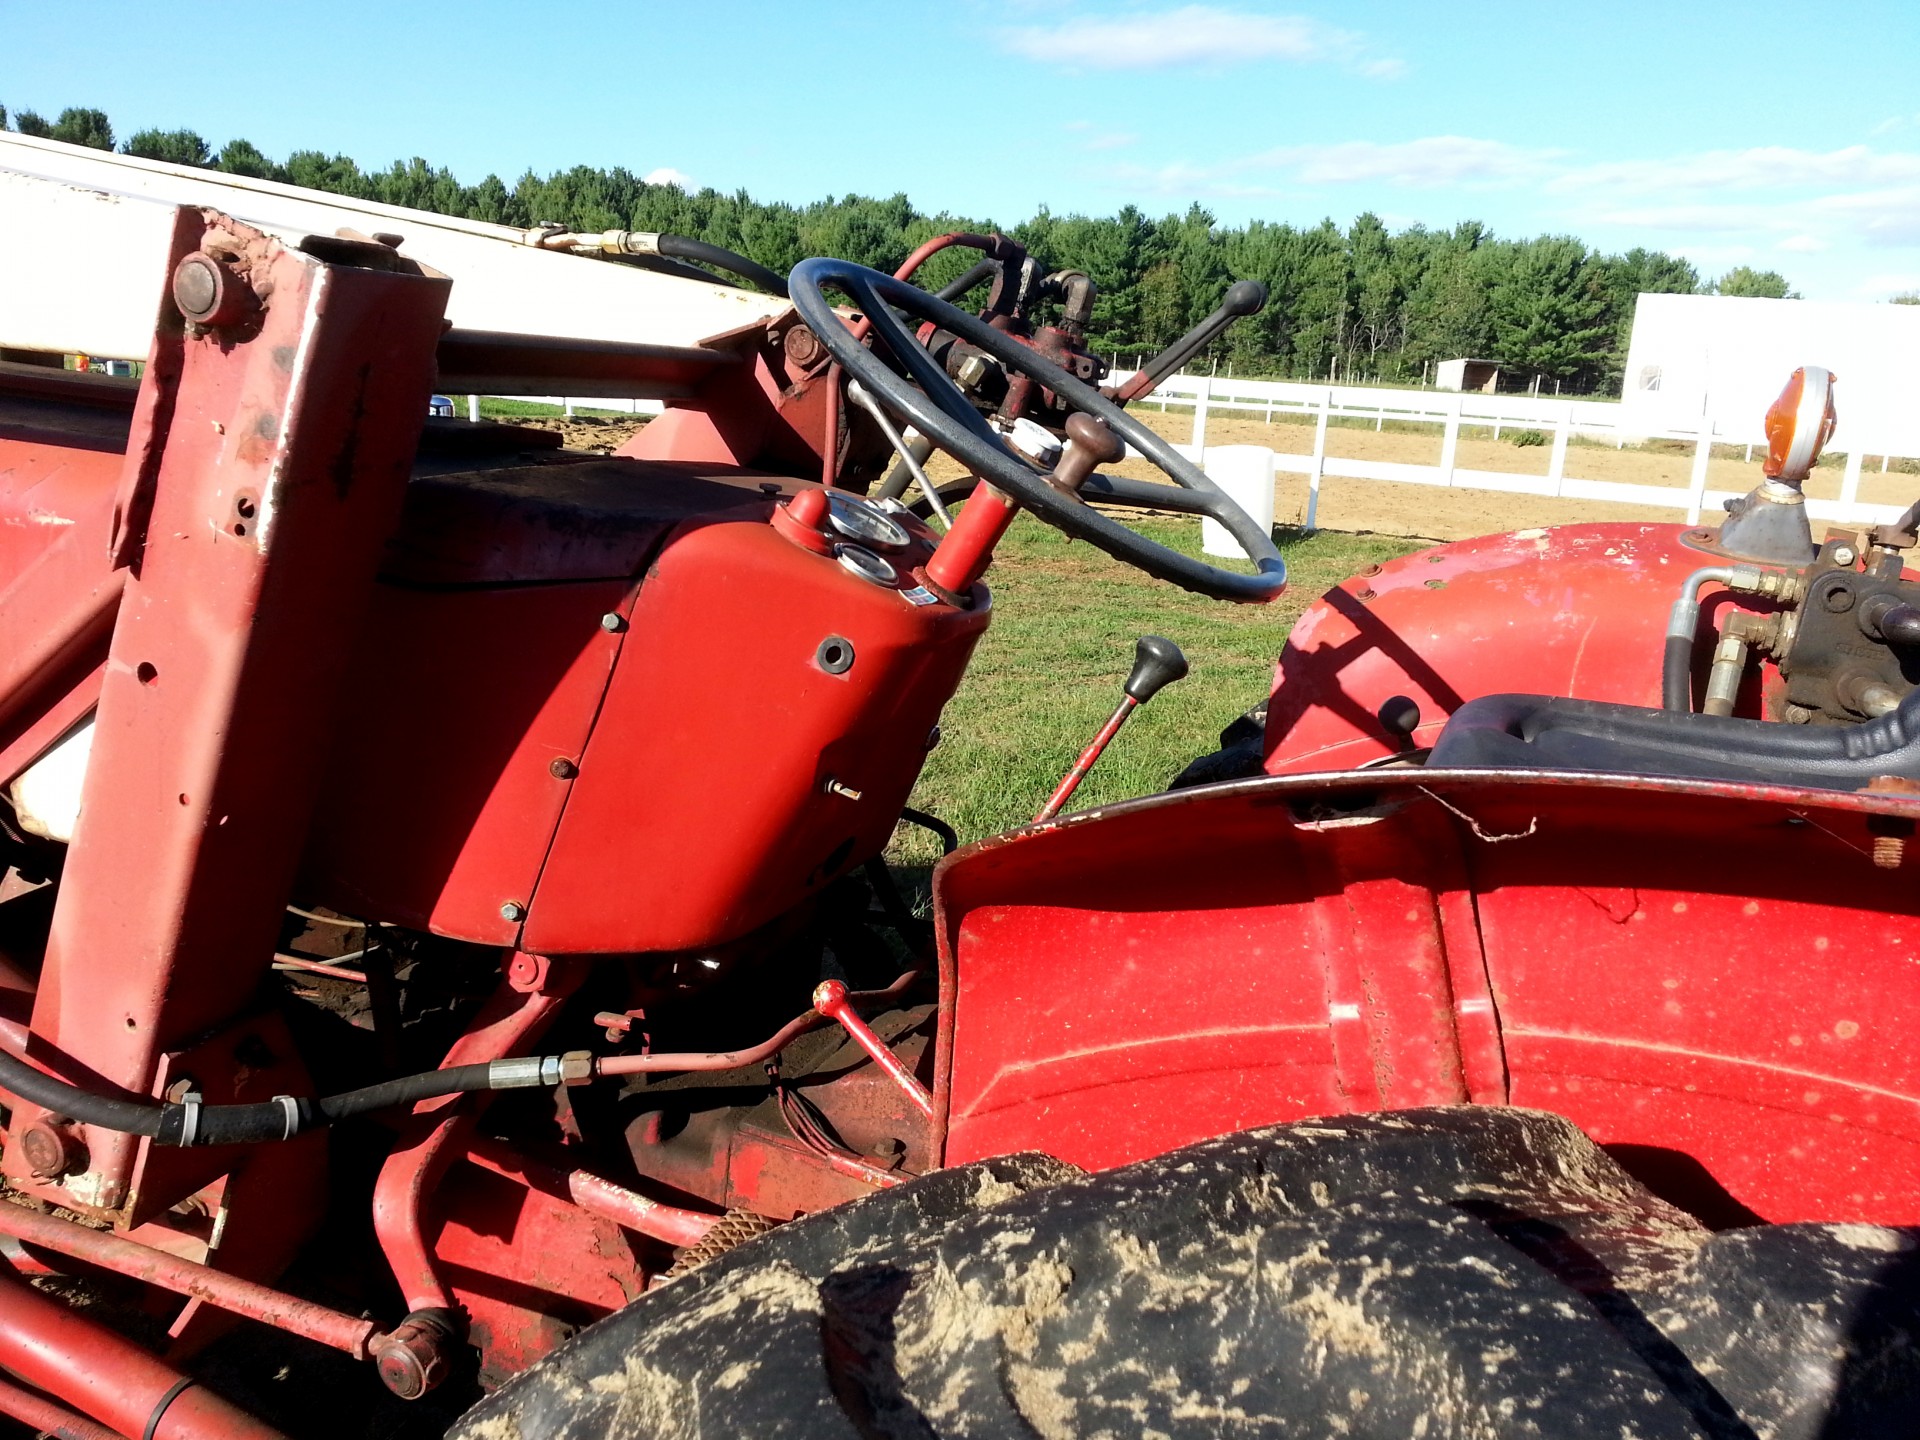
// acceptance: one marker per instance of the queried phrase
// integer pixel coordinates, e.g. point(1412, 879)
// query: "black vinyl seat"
point(1546, 732)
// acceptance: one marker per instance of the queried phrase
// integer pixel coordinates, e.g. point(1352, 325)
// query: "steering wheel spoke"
point(935, 406)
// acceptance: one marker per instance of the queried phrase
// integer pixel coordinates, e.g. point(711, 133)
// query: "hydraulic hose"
point(685, 247)
point(660, 265)
point(655, 250)
point(1676, 666)
point(193, 1122)
point(954, 289)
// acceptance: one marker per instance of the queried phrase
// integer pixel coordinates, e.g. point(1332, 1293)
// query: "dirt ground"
point(1393, 508)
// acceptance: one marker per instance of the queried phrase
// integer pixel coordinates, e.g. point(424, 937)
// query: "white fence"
point(1449, 411)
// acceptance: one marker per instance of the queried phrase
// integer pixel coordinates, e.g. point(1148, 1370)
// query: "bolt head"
point(48, 1152)
point(613, 624)
point(513, 910)
point(563, 769)
point(208, 293)
point(1843, 555)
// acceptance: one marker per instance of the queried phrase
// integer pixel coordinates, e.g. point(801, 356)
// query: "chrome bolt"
point(613, 624)
point(513, 910)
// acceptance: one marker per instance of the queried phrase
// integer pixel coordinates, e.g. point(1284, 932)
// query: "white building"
point(1725, 357)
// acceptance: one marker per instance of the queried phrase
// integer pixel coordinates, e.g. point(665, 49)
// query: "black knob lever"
point(1243, 297)
point(1157, 663)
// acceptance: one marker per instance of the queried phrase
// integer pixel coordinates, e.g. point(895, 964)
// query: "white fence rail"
point(1450, 411)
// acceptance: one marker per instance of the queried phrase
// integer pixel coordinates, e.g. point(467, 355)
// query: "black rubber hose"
point(1894, 621)
point(685, 247)
point(949, 840)
point(167, 1124)
point(1676, 674)
point(954, 289)
point(660, 265)
point(129, 1117)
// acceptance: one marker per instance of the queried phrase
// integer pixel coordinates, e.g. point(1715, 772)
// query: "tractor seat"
point(1548, 732)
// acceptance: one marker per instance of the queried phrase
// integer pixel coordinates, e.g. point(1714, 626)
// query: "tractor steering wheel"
point(935, 406)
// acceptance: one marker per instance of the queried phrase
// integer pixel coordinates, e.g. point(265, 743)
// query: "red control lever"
point(1157, 662)
point(830, 1000)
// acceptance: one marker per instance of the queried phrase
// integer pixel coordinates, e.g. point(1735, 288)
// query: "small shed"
point(1463, 374)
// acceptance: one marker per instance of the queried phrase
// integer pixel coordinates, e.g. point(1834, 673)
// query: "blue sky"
point(1784, 137)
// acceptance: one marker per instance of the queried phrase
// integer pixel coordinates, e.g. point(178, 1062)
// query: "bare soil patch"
point(1396, 508)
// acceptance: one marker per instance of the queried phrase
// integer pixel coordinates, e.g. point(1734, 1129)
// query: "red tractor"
point(1501, 1044)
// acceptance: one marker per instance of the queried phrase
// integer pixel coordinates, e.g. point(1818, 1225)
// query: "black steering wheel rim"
point(934, 405)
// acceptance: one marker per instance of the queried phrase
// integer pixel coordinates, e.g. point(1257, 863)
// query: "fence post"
point(566, 404)
point(1202, 394)
point(1697, 484)
point(1319, 466)
point(473, 408)
point(1557, 466)
point(1850, 484)
point(1450, 441)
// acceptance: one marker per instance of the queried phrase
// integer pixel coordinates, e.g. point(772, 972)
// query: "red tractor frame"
point(360, 767)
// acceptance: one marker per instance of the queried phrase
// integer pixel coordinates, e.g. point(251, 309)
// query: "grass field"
point(1048, 672)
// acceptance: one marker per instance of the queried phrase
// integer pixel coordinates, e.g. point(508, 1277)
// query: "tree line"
point(1363, 303)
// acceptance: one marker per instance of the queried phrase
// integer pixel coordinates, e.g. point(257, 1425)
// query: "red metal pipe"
point(734, 1059)
point(528, 998)
point(706, 1059)
point(994, 246)
point(830, 999)
point(1088, 757)
point(108, 1377)
point(666, 1223)
point(967, 549)
point(185, 1277)
point(48, 1417)
point(282, 960)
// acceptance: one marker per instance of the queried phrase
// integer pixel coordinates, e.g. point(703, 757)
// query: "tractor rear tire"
point(1447, 1272)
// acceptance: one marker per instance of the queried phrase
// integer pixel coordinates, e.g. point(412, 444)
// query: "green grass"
point(494, 408)
point(1048, 672)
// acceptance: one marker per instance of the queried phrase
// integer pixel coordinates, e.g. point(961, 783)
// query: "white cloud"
point(1389, 69)
point(1886, 284)
point(667, 175)
point(1691, 219)
point(1766, 167)
point(1433, 160)
point(1822, 213)
point(1190, 35)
